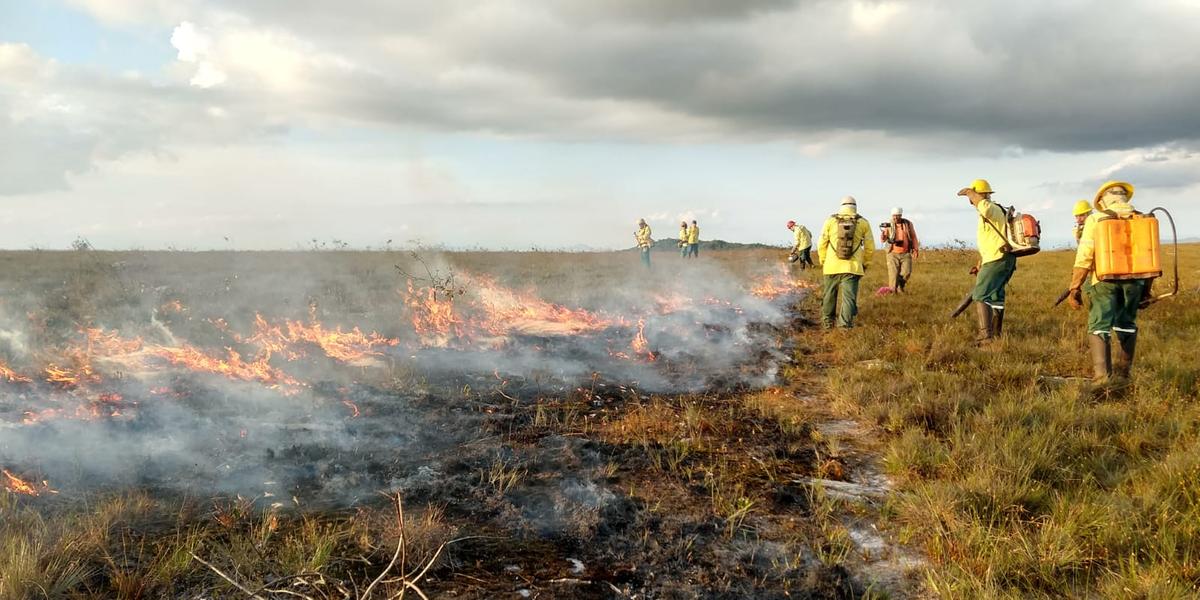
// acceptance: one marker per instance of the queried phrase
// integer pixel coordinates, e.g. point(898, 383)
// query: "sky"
point(528, 124)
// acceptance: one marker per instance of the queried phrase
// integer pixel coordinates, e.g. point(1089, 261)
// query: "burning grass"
point(230, 432)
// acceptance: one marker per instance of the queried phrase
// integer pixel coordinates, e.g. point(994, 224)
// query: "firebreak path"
point(884, 564)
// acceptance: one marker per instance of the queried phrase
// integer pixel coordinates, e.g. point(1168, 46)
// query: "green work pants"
point(841, 300)
point(992, 279)
point(1115, 305)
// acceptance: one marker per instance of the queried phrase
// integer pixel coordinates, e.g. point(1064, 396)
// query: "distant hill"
point(673, 245)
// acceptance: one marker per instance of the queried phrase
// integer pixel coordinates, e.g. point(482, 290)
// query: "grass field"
point(1006, 481)
point(1014, 485)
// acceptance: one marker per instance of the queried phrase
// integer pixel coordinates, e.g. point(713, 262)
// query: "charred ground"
point(555, 456)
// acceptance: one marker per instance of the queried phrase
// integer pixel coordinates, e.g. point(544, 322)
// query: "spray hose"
point(1175, 258)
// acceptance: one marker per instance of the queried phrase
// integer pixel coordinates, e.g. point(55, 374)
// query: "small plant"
point(502, 476)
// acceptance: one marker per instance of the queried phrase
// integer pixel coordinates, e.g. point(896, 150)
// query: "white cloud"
point(191, 44)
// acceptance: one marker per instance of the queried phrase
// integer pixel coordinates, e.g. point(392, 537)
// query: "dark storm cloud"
point(1077, 76)
point(968, 78)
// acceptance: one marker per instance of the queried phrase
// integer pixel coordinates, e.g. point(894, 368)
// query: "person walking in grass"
point(683, 239)
point(1115, 299)
point(1082, 209)
point(644, 241)
point(845, 250)
point(996, 262)
point(693, 240)
point(902, 248)
point(801, 244)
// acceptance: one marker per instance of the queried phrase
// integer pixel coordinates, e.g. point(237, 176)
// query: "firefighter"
point(1082, 209)
point(1115, 302)
point(902, 248)
point(693, 240)
point(644, 241)
point(845, 250)
point(683, 239)
point(996, 263)
point(802, 244)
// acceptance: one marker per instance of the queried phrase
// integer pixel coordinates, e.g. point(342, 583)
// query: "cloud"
point(1164, 167)
point(981, 77)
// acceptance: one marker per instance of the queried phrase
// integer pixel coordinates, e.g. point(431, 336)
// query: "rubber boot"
point(1101, 364)
point(984, 326)
point(1123, 360)
point(997, 321)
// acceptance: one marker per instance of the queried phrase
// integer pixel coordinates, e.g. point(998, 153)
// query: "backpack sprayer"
point(1129, 248)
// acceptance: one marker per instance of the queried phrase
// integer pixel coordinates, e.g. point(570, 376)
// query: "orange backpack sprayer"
point(1129, 248)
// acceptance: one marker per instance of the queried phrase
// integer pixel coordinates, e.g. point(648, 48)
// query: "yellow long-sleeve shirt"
point(683, 235)
point(863, 241)
point(989, 237)
point(1085, 255)
point(693, 234)
point(803, 237)
point(643, 237)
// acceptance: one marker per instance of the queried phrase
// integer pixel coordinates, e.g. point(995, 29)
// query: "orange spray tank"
point(1127, 248)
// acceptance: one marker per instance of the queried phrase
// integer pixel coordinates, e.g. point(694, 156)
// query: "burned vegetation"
point(327, 425)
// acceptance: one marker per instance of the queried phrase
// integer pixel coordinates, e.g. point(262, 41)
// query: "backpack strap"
point(1006, 248)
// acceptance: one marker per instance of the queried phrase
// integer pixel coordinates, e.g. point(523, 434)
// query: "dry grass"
point(1015, 486)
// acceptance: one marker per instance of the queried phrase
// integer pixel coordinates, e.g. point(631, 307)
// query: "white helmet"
point(897, 211)
point(849, 200)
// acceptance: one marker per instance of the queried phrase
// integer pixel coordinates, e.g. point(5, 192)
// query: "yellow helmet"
point(1082, 208)
point(981, 186)
point(1110, 184)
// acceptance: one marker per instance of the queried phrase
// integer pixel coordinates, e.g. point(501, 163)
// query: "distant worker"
point(1117, 286)
point(845, 250)
point(683, 239)
point(693, 240)
point(996, 263)
point(644, 241)
point(1082, 209)
point(802, 244)
point(902, 247)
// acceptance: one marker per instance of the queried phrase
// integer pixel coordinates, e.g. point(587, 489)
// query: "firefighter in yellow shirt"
point(693, 240)
point(844, 249)
point(996, 263)
point(683, 239)
point(644, 241)
point(1082, 209)
point(802, 244)
point(1114, 301)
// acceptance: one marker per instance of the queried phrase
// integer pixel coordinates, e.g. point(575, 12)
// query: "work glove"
point(1078, 276)
point(1075, 299)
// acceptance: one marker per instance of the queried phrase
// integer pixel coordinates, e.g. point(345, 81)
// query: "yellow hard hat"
point(1109, 184)
point(1082, 208)
point(981, 186)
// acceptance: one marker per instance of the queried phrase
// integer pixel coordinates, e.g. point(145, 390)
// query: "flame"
point(78, 357)
point(489, 313)
point(343, 346)
point(17, 485)
point(433, 317)
point(774, 285)
point(233, 367)
point(507, 311)
point(11, 376)
point(103, 406)
point(354, 412)
point(640, 346)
